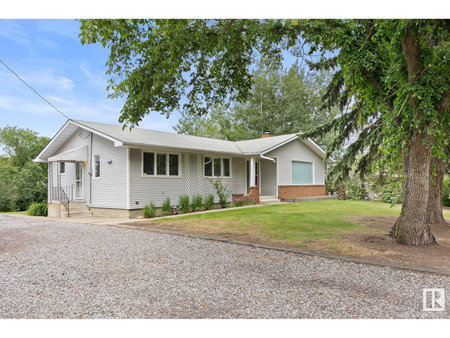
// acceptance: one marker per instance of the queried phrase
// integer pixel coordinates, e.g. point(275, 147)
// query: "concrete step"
point(268, 199)
point(77, 210)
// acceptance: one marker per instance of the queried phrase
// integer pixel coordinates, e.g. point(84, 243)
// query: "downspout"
point(90, 173)
point(267, 158)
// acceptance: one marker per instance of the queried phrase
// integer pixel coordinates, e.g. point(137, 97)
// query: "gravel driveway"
point(63, 270)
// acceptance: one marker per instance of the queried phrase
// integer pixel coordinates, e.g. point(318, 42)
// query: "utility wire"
point(43, 98)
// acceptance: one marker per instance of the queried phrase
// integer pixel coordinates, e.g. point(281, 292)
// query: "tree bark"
point(411, 227)
point(434, 208)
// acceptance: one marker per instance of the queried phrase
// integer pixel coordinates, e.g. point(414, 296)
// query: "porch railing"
point(63, 195)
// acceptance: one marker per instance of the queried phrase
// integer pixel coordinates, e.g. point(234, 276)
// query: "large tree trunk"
point(411, 227)
point(434, 208)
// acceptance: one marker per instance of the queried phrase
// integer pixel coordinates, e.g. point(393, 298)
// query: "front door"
point(79, 180)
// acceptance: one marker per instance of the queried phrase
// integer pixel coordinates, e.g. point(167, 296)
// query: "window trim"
point(313, 176)
point(60, 172)
point(100, 167)
point(221, 166)
point(155, 175)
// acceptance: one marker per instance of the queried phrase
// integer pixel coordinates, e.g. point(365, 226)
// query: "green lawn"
point(352, 228)
point(291, 222)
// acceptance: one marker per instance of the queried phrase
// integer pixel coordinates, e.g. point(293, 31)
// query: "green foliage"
point(281, 101)
point(222, 192)
point(38, 209)
point(209, 202)
point(244, 200)
point(149, 210)
point(197, 203)
point(392, 191)
point(22, 181)
point(166, 207)
point(184, 204)
point(354, 190)
point(446, 192)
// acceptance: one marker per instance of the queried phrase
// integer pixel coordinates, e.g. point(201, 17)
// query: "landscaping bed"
point(350, 228)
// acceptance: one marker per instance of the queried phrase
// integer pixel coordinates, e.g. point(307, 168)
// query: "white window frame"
point(155, 175)
point(221, 167)
point(93, 167)
point(313, 176)
point(65, 169)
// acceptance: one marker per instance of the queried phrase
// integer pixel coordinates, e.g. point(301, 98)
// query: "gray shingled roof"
point(151, 138)
point(145, 137)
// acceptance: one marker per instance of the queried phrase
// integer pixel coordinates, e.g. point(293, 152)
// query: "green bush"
point(392, 192)
point(209, 202)
point(197, 203)
point(166, 207)
point(222, 192)
point(38, 209)
point(184, 204)
point(149, 211)
point(446, 192)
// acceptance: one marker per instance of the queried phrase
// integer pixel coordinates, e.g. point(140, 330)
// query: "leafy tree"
point(282, 102)
point(22, 181)
point(390, 82)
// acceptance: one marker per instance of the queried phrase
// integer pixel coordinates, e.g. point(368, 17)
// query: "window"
point(217, 167)
point(62, 167)
point(173, 165)
point(226, 167)
point(149, 163)
point(160, 164)
point(302, 172)
point(96, 166)
point(208, 166)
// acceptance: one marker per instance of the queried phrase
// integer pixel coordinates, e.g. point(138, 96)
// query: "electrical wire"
point(43, 98)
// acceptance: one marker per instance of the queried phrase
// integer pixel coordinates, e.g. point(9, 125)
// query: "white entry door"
point(79, 191)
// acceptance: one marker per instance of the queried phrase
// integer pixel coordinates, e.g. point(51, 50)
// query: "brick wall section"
point(298, 191)
point(253, 192)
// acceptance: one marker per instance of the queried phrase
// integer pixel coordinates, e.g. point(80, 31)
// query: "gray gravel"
point(63, 270)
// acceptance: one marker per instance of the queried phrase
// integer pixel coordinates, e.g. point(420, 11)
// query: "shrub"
point(244, 200)
point(197, 203)
point(222, 192)
point(446, 192)
point(184, 204)
point(38, 209)
point(209, 202)
point(392, 192)
point(166, 208)
point(149, 211)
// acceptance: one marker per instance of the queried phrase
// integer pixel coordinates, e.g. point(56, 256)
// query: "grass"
point(352, 228)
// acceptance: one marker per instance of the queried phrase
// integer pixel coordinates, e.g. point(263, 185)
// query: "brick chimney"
point(266, 134)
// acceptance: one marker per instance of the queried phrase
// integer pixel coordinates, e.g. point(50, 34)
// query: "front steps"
point(269, 200)
point(76, 209)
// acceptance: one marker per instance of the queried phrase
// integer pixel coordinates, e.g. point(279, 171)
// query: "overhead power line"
point(43, 98)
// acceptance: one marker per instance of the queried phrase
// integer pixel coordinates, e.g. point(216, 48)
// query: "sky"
point(48, 55)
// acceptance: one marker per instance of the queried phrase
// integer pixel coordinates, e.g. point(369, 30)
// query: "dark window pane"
point(149, 163)
point(217, 167)
point(161, 162)
point(173, 165)
point(208, 166)
point(97, 165)
point(226, 167)
point(62, 167)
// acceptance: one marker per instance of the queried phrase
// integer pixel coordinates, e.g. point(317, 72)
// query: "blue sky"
point(48, 55)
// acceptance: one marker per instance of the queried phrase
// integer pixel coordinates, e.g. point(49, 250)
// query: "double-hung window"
point(216, 167)
point(97, 166)
point(160, 164)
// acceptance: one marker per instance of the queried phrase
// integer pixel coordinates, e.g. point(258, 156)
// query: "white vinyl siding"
point(302, 172)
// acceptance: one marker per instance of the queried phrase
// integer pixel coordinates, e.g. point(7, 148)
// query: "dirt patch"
point(382, 247)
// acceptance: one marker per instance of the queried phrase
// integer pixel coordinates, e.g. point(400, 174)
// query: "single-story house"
point(116, 172)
